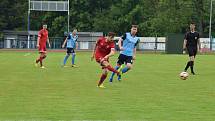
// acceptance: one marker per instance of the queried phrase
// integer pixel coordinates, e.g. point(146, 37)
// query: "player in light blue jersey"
point(71, 45)
point(127, 46)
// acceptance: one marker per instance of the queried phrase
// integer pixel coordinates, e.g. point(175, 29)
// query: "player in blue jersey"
point(71, 44)
point(127, 45)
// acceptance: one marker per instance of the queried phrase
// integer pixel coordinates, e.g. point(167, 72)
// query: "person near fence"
point(71, 45)
point(192, 45)
point(104, 49)
point(41, 45)
point(127, 46)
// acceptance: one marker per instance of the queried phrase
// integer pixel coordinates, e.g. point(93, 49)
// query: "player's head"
point(192, 26)
point(44, 26)
point(110, 36)
point(134, 29)
point(74, 32)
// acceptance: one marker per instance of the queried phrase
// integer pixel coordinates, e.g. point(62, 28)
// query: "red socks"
point(112, 69)
point(103, 77)
point(40, 59)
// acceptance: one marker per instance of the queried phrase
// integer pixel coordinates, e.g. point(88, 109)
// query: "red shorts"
point(99, 60)
point(42, 49)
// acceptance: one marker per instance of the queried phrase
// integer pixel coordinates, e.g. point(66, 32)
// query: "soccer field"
point(151, 91)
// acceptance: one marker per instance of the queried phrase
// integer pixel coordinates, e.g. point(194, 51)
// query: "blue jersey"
point(71, 41)
point(129, 43)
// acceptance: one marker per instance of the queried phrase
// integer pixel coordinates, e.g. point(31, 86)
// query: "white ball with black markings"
point(183, 75)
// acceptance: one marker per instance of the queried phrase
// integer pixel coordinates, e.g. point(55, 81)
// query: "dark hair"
point(111, 34)
point(134, 26)
point(192, 23)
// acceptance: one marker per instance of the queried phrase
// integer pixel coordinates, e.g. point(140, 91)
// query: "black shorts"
point(123, 59)
point(70, 50)
point(192, 51)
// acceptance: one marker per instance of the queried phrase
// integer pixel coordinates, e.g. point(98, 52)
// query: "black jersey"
point(192, 39)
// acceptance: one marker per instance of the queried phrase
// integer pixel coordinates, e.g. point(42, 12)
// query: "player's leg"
point(102, 78)
point(128, 66)
point(192, 59)
point(73, 58)
point(41, 59)
point(190, 53)
point(109, 67)
point(42, 56)
point(187, 66)
point(67, 56)
point(65, 59)
point(38, 59)
point(124, 70)
point(112, 75)
point(118, 66)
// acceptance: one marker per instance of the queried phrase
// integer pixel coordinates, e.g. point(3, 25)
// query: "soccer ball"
point(183, 75)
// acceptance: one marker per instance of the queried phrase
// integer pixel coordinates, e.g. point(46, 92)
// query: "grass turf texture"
point(152, 91)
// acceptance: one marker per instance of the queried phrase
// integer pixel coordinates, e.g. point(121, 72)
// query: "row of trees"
point(154, 17)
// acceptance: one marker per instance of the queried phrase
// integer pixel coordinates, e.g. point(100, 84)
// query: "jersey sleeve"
point(198, 36)
point(112, 45)
point(124, 37)
point(186, 36)
point(47, 34)
point(98, 41)
point(76, 38)
point(39, 33)
point(137, 42)
point(69, 36)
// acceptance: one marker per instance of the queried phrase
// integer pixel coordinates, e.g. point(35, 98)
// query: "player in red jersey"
point(104, 49)
point(41, 45)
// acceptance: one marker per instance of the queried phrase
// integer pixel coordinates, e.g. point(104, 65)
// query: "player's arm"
point(63, 45)
point(112, 52)
point(48, 42)
point(135, 49)
point(134, 56)
point(76, 43)
point(94, 50)
point(120, 41)
point(38, 39)
point(184, 45)
point(199, 44)
point(120, 44)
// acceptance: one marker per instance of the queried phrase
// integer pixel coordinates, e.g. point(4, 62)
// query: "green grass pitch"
point(151, 91)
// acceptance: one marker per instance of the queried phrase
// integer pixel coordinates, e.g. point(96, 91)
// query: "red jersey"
point(43, 36)
point(103, 47)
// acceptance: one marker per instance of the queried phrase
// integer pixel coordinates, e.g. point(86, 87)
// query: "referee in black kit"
point(192, 45)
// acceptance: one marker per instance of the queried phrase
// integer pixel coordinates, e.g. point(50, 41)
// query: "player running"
point(192, 45)
point(104, 49)
point(71, 44)
point(41, 44)
point(127, 46)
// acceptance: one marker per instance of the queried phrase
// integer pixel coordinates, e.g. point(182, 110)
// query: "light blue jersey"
point(71, 41)
point(129, 43)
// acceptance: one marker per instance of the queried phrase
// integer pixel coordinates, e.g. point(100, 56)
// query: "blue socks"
point(124, 70)
point(65, 59)
point(112, 75)
point(73, 58)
